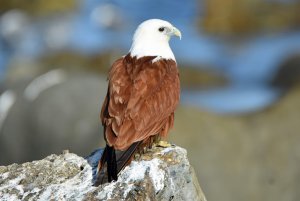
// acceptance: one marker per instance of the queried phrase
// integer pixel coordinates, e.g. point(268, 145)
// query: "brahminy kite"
point(142, 95)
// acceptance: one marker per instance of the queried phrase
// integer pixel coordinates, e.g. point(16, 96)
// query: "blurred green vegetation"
point(200, 78)
point(249, 16)
point(39, 7)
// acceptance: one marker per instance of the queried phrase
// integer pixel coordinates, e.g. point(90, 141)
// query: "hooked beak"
point(176, 32)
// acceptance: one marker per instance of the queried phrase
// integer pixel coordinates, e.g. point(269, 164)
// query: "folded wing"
point(141, 100)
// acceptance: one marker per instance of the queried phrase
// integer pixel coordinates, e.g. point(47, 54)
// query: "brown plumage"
point(140, 101)
point(139, 106)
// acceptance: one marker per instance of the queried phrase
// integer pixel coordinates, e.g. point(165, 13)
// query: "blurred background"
point(239, 63)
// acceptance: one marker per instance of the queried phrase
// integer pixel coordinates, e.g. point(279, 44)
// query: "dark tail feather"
point(111, 164)
point(115, 161)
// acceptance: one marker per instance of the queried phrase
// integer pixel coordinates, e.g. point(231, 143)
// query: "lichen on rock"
point(159, 174)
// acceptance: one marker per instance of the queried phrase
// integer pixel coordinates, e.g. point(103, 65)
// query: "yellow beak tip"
point(177, 33)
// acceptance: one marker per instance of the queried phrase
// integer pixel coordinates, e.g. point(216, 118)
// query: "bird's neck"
point(149, 48)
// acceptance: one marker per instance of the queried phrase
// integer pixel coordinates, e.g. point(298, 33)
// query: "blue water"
point(232, 99)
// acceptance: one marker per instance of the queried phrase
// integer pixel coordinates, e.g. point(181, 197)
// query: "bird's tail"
point(114, 161)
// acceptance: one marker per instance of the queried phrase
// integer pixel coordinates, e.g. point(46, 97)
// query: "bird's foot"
point(137, 156)
point(163, 144)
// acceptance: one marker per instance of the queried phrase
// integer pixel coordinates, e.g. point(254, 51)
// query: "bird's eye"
point(161, 29)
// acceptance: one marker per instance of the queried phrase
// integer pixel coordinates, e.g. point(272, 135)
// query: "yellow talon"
point(163, 144)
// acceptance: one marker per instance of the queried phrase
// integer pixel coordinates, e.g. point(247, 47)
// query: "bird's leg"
point(138, 152)
point(144, 149)
point(137, 156)
point(150, 144)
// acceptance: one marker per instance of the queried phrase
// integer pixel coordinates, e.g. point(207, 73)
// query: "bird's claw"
point(163, 144)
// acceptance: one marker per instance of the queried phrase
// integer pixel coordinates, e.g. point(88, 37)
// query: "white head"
point(152, 39)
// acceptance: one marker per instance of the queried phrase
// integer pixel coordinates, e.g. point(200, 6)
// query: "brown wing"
point(140, 101)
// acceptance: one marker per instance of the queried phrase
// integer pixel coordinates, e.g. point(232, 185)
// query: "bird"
point(142, 95)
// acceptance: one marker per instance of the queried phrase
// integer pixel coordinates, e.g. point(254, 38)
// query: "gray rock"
point(54, 111)
point(160, 174)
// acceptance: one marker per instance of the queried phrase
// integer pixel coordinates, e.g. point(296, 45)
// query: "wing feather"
point(141, 100)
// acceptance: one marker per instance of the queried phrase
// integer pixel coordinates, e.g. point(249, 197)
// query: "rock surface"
point(160, 174)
